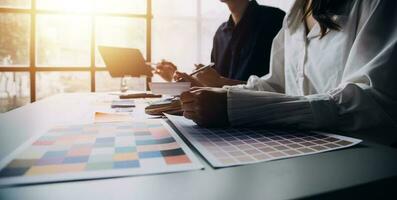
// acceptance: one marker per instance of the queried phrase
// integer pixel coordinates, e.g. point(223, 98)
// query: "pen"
point(202, 69)
point(199, 70)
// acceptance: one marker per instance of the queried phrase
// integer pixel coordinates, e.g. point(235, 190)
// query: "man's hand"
point(210, 78)
point(206, 106)
point(166, 70)
point(147, 71)
point(199, 66)
point(183, 77)
point(206, 78)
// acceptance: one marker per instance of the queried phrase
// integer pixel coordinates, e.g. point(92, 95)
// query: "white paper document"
point(229, 147)
point(175, 88)
point(100, 150)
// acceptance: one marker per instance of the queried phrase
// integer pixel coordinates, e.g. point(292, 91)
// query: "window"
point(50, 46)
point(183, 30)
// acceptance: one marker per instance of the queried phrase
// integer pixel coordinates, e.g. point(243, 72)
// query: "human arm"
point(206, 106)
point(207, 78)
point(365, 98)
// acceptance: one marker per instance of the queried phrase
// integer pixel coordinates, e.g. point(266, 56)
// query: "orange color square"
point(66, 140)
point(86, 139)
point(144, 148)
point(182, 159)
point(55, 169)
point(83, 151)
point(61, 142)
point(159, 132)
point(125, 156)
point(111, 117)
point(68, 137)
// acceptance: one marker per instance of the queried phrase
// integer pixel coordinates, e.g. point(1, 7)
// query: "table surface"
point(368, 168)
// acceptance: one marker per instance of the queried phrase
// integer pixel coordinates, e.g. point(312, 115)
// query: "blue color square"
point(146, 142)
point(75, 159)
point(49, 161)
point(155, 125)
point(150, 154)
point(99, 145)
point(125, 149)
point(156, 141)
point(143, 137)
point(105, 140)
point(126, 164)
point(55, 154)
point(166, 140)
point(10, 172)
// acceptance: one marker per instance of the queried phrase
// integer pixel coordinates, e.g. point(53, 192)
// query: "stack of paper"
point(174, 89)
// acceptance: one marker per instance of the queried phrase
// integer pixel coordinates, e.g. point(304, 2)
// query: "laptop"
point(122, 62)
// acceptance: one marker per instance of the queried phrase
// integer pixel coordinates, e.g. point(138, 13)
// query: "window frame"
point(32, 68)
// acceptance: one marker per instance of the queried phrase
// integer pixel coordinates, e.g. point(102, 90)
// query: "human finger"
point(190, 115)
point(198, 66)
point(189, 106)
point(187, 78)
point(182, 76)
point(187, 97)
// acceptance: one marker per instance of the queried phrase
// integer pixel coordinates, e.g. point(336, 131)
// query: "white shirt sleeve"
point(365, 98)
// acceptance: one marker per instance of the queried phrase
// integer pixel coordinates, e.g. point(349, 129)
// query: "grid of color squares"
point(146, 145)
point(229, 147)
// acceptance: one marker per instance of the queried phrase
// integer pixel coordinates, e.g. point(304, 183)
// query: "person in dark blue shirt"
point(243, 49)
point(241, 46)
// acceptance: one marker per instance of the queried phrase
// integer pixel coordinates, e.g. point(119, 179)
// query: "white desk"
point(364, 170)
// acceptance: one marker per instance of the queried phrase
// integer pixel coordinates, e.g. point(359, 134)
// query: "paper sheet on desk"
point(239, 146)
point(123, 103)
point(101, 117)
point(118, 93)
point(98, 150)
point(175, 88)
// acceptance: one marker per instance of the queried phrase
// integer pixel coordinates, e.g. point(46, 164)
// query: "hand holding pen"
point(201, 77)
point(180, 77)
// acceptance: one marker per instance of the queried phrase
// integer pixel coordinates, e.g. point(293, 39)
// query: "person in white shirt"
point(333, 66)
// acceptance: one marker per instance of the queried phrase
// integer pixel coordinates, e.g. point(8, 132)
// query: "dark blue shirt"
point(244, 50)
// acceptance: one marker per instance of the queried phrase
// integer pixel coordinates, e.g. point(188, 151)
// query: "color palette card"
point(229, 147)
point(101, 117)
point(98, 150)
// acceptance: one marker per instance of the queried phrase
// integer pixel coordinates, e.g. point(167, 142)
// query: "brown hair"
point(323, 12)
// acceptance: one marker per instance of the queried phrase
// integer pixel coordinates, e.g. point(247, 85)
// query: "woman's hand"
point(206, 106)
point(166, 70)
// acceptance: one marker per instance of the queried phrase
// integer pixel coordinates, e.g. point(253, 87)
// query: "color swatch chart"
point(229, 147)
point(97, 151)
